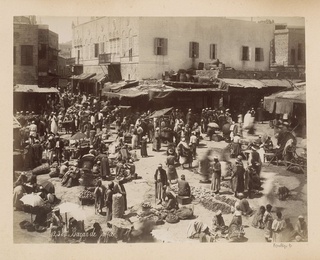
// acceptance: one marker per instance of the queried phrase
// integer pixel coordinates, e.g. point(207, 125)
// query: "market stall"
point(33, 98)
point(292, 103)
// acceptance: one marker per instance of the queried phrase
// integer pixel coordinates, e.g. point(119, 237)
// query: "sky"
point(63, 25)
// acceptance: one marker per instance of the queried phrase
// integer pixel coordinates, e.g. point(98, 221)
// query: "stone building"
point(146, 47)
point(289, 47)
point(35, 53)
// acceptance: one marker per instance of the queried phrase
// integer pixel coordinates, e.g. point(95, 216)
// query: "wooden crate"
point(183, 200)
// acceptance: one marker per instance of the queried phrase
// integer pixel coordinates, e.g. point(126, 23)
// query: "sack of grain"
point(117, 206)
point(42, 169)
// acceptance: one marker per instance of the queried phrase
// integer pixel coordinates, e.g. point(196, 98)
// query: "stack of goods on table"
point(86, 197)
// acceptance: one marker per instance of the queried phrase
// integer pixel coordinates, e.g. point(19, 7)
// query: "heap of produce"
point(86, 194)
point(210, 200)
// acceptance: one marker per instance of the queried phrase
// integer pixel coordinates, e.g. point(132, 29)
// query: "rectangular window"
point(245, 53)
point(42, 51)
point(96, 50)
point(299, 51)
point(213, 51)
point(130, 54)
point(258, 54)
point(26, 55)
point(293, 56)
point(160, 46)
point(14, 55)
point(193, 50)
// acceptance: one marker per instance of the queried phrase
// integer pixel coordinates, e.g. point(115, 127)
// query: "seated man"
point(172, 202)
point(301, 229)
point(268, 145)
point(183, 187)
point(242, 205)
point(218, 223)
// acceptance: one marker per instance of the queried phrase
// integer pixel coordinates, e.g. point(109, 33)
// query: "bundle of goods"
point(172, 218)
point(42, 169)
point(117, 212)
point(117, 206)
point(86, 197)
point(184, 213)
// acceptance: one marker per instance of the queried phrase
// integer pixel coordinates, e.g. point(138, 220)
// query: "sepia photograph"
point(148, 129)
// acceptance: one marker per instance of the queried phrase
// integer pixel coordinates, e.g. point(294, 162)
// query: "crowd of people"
point(87, 159)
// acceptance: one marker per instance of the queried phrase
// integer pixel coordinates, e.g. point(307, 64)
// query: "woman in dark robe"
point(105, 167)
point(144, 152)
point(238, 177)
point(108, 201)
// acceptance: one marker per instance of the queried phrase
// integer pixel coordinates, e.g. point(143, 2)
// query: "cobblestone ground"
point(143, 190)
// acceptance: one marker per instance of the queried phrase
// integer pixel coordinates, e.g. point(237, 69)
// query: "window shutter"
point(241, 53)
point(190, 50)
point(165, 46)
point(197, 50)
point(155, 45)
point(249, 53)
point(261, 54)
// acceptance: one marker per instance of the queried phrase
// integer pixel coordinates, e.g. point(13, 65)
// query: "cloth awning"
point(83, 76)
point(254, 83)
point(99, 77)
point(161, 112)
point(168, 91)
point(126, 93)
point(33, 89)
point(282, 102)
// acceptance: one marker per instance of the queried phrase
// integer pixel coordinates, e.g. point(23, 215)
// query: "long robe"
point(108, 203)
point(161, 180)
point(278, 226)
point(144, 152)
point(238, 179)
point(104, 167)
point(204, 168)
point(184, 153)
point(54, 126)
point(156, 141)
point(119, 188)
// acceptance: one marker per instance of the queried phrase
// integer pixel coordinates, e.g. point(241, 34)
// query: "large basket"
point(84, 202)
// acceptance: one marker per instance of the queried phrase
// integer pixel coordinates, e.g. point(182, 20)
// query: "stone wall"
point(25, 34)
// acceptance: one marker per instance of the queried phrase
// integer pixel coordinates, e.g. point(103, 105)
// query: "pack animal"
point(283, 192)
